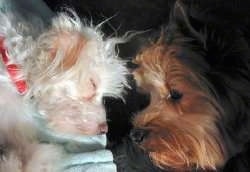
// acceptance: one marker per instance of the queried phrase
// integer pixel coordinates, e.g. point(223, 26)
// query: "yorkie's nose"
point(103, 128)
point(138, 135)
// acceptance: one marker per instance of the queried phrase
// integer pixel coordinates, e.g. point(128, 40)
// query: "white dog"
point(56, 78)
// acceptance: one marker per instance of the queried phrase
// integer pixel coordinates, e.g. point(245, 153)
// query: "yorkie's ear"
point(183, 23)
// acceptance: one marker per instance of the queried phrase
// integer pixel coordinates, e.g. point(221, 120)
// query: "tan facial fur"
point(182, 133)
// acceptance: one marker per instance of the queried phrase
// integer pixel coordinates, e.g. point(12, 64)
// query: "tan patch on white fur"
point(72, 44)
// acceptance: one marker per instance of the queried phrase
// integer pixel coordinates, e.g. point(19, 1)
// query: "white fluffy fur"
point(68, 100)
point(18, 141)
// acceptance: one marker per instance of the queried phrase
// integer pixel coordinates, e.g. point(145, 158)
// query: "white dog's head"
point(69, 68)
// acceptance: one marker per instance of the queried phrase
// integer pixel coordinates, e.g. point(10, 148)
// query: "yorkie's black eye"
point(175, 95)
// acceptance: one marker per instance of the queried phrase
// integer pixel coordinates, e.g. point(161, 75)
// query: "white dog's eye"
point(89, 92)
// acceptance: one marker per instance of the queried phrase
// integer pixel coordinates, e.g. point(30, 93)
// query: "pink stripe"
point(12, 69)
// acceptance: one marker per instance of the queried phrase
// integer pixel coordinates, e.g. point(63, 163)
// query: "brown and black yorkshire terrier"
point(198, 76)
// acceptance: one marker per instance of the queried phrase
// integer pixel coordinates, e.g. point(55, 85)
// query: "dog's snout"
point(138, 135)
point(103, 128)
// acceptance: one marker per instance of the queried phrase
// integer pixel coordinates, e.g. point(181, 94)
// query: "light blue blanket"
point(86, 153)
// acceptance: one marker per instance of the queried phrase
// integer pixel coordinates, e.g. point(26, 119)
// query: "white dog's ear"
point(66, 47)
point(64, 40)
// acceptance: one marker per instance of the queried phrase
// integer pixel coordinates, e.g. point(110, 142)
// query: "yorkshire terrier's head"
point(69, 68)
point(197, 77)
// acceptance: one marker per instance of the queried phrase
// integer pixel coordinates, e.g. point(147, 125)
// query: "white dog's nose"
point(103, 128)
